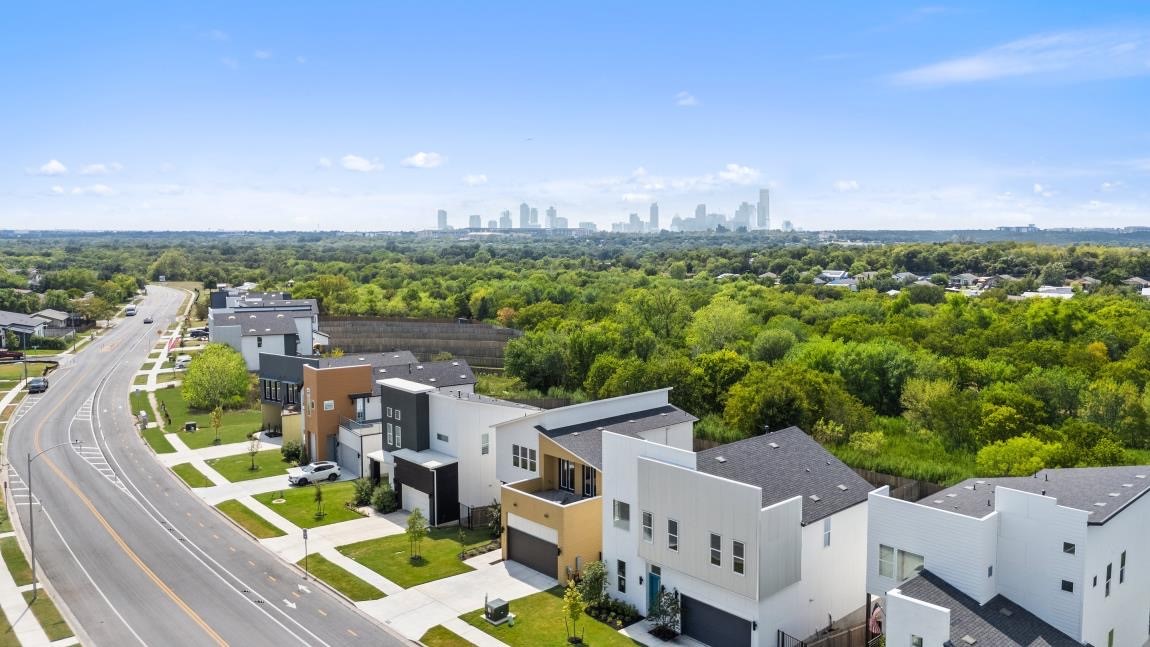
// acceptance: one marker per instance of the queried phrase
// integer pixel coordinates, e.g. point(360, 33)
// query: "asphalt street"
point(135, 556)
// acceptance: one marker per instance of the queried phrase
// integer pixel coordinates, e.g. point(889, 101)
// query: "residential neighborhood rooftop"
point(585, 439)
point(1100, 491)
point(257, 323)
point(785, 464)
point(454, 372)
point(392, 358)
point(998, 623)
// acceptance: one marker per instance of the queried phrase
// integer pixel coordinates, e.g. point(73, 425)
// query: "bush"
point(364, 488)
point(593, 582)
point(383, 498)
point(48, 343)
point(292, 452)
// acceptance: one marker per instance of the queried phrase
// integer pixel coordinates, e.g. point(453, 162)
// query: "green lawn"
point(5, 520)
point(159, 442)
point(440, 636)
point(388, 556)
point(236, 428)
point(138, 401)
point(299, 504)
point(15, 372)
point(259, 527)
point(238, 467)
point(539, 623)
point(48, 616)
point(7, 638)
point(339, 579)
point(17, 563)
point(140, 380)
point(192, 476)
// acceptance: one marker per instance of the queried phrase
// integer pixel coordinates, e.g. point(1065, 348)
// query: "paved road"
point(137, 558)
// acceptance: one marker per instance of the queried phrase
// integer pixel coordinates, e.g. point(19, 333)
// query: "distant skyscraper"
point(743, 216)
point(764, 209)
point(787, 226)
point(475, 221)
point(653, 221)
point(588, 225)
point(505, 220)
point(534, 217)
point(442, 219)
point(551, 215)
point(701, 212)
point(560, 222)
point(524, 216)
point(492, 224)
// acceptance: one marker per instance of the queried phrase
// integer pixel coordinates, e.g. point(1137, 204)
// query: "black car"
point(148, 319)
point(37, 385)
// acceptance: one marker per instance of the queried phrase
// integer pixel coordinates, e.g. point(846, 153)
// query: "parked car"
point(37, 385)
point(198, 333)
point(148, 319)
point(313, 473)
point(182, 361)
point(10, 354)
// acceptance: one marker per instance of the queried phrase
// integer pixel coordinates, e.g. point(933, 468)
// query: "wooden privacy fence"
point(480, 345)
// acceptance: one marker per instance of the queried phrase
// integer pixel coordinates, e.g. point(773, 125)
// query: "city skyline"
point(372, 117)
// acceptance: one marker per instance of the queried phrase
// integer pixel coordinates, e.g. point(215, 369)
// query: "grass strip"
point(340, 579)
point(259, 527)
point(17, 563)
point(191, 475)
point(48, 616)
point(440, 636)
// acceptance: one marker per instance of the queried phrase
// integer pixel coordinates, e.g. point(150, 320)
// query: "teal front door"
point(653, 578)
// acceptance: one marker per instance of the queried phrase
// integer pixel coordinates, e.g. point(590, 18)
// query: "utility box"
point(496, 611)
point(190, 425)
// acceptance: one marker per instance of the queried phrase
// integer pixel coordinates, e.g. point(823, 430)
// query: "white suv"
point(313, 473)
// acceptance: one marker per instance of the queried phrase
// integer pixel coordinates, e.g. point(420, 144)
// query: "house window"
point(389, 412)
point(886, 561)
point(390, 434)
point(259, 342)
point(442, 438)
point(909, 565)
point(621, 567)
point(1109, 570)
point(360, 409)
point(398, 436)
point(484, 444)
point(329, 405)
point(915, 641)
point(515, 456)
point(1122, 568)
point(826, 532)
point(531, 455)
point(990, 571)
point(397, 412)
point(1068, 586)
point(588, 480)
point(647, 530)
point(1068, 548)
point(738, 552)
point(673, 535)
point(1110, 639)
point(716, 550)
point(622, 515)
point(566, 475)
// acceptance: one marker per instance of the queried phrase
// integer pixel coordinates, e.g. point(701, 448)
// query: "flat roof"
point(585, 439)
point(428, 458)
point(392, 358)
point(405, 385)
point(1100, 491)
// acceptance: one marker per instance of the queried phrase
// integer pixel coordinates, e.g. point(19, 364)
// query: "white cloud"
point(101, 169)
point(217, 34)
point(686, 100)
point(58, 190)
point(424, 160)
point(263, 54)
point(736, 174)
point(638, 198)
point(1042, 190)
point(359, 164)
point(102, 190)
point(1110, 186)
point(230, 62)
point(843, 186)
point(1061, 56)
point(477, 179)
point(51, 167)
point(324, 162)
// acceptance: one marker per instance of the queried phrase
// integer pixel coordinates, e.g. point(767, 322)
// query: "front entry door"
point(653, 583)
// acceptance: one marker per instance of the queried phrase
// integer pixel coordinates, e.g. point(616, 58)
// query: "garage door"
point(413, 498)
point(532, 551)
point(713, 626)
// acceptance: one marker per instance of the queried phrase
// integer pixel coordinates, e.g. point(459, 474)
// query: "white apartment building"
point(757, 536)
point(1060, 558)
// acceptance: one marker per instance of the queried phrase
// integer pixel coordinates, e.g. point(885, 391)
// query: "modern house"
point(343, 412)
point(272, 322)
point(833, 275)
point(1059, 558)
point(759, 536)
point(964, 280)
point(551, 464)
point(55, 321)
point(436, 445)
point(23, 326)
point(906, 277)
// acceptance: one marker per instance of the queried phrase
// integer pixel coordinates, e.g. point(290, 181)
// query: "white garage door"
point(413, 498)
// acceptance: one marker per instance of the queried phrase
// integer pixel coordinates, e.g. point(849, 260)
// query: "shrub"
point(593, 582)
point(48, 343)
point(364, 488)
point(383, 498)
point(292, 452)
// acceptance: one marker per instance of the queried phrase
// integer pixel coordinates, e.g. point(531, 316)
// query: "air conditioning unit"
point(496, 611)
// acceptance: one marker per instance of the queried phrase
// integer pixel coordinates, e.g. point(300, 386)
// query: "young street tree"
point(254, 449)
point(217, 378)
point(217, 422)
point(416, 532)
point(572, 610)
point(318, 502)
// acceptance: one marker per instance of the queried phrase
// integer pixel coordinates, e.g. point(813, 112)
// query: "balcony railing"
point(535, 488)
point(357, 425)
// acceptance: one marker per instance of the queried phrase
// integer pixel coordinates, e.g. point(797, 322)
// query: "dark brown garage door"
point(540, 555)
point(713, 626)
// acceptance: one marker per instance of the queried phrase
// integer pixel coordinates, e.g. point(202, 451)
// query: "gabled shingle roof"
point(19, 319)
point(455, 372)
point(1081, 488)
point(998, 623)
point(257, 323)
point(785, 464)
point(585, 439)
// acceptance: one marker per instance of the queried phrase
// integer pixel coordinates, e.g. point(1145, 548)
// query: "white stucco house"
point(757, 536)
point(1060, 558)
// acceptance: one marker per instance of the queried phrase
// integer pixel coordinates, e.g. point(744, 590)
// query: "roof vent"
point(419, 367)
point(462, 376)
point(1006, 611)
point(952, 495)
point(721, 459)
point(815, 497)
point(575, 433)
point(1127, 485)
point(842, 487)
point(431, 380)
point(279, 316)
point(937, 501)
point(773, 445)
point(968, 487)
point(1139, 476)
point(968, 639)
point(1100, 505)
point(383, 370)
point(1113, 494)
point(455, 363)
point(663, 414)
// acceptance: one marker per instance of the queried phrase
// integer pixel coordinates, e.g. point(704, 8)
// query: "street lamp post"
point(31, 511)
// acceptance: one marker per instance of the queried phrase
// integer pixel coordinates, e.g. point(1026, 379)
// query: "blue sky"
point(372, 115)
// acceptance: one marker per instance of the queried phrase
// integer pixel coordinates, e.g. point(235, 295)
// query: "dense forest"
point(924, 382)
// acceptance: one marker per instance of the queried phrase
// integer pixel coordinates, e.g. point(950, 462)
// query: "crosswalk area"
point(19, 489)
point(90, 452)
point(25, 406)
